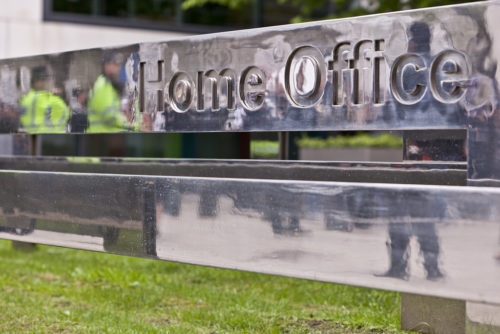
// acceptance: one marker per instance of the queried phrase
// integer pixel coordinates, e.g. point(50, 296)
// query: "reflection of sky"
point(304, 76)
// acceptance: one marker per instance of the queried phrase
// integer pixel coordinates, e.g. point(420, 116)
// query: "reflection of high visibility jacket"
point(43, 112)
point(104, 108)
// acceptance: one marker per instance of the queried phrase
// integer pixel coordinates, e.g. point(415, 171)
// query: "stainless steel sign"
point(306, 75)
point(411, 70)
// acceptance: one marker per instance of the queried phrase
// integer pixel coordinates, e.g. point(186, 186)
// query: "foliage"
point(264, 148)
point(58, 290)
point(335, 8)
point(233, 4)
point(385, 140)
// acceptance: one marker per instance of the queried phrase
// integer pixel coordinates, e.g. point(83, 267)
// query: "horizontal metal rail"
point(330, 231)
point(445, 173)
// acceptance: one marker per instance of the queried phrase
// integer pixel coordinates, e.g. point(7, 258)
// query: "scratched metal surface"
point(429, 172)
point(335, 232)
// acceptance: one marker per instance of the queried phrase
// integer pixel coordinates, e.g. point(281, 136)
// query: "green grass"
point(57, 290)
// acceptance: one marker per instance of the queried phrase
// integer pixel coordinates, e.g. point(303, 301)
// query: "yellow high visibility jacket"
point(103, 107)
point(43, 112)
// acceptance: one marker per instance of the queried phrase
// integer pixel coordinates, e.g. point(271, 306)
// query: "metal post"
point(426, 314)
point(23, 144)
point(284, 142)
point(178, 12)
point(257, 18)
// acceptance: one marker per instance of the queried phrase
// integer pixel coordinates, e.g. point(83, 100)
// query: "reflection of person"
point(283, 210)
point(104, 103)
point(415, 214)
point(9, 118)
point(400, 234)
point(18, 225)
point(118, 239)
point(208, 205)
point(79, 122)
point(42, 111)
point(414, 205)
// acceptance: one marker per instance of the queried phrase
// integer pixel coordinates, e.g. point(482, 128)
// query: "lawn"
point(57, 290)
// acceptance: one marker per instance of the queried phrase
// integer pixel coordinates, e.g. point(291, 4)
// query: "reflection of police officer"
point(104, 104)
point(422, 212)
point(283, 209)
point(23, 226)
point(400, 234)
point(422, 226)
point(415, 214)
point(79, 121)
point(42, 111)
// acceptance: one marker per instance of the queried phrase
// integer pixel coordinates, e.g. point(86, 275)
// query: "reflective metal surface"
point(336, 232)
point(422, 69)
point(445, 173)
point(418, 70)
point(441, 145)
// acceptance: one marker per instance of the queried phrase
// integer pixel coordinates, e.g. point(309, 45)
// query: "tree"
point(320, 9)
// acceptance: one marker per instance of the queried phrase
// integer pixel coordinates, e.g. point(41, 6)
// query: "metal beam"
point(329, 231)
point(445, 173)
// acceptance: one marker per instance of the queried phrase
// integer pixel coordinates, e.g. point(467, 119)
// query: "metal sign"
point(419, 69)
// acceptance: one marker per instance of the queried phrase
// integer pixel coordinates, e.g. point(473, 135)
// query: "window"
point(168, 15)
